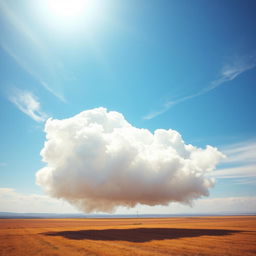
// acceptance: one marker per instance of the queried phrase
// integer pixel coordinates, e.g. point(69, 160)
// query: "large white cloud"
point(97, 161)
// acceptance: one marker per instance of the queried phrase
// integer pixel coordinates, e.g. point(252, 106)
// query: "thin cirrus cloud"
point(229, 72)
point(29, 52)
point(239, 164)
point(28, 103)
point(240, 153)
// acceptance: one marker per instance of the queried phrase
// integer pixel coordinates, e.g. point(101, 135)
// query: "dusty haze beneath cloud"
point(97, 161)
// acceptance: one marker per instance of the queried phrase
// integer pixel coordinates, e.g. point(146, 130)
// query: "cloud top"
point(97, 161)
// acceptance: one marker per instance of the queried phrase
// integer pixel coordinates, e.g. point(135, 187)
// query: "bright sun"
point(70, 15)
point(67, 8)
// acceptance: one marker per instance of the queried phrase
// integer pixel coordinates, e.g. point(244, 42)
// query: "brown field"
point(167, 236)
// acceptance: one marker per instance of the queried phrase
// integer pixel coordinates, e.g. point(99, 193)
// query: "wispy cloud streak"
point(228, 73)
point(240, 153)
point(30, 53)
point(236, 172)
point(240, 162)
point(27, 103)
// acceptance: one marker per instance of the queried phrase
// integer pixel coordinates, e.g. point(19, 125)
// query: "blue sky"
point(185, 65)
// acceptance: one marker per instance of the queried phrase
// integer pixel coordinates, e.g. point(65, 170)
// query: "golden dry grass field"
point(155, 236)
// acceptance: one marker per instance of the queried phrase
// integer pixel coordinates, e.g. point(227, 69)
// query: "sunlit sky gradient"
point(185, 65)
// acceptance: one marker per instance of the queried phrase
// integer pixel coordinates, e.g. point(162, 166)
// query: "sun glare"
point(67, 8)
point(72, 15)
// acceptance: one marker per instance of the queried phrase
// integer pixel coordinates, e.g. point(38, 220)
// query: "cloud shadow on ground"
point(139, 235)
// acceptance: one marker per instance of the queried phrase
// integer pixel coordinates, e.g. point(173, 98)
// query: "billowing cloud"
point(97, 161)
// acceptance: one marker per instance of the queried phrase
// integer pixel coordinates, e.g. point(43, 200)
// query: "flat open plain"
point(155, 236)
